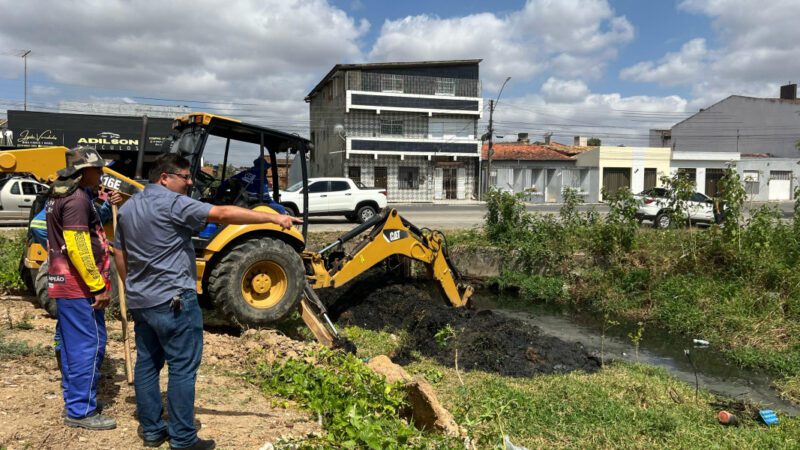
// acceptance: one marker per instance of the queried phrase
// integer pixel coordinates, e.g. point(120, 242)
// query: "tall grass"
point(737, 285)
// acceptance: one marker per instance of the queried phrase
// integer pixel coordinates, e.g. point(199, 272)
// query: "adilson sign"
point(106, 133)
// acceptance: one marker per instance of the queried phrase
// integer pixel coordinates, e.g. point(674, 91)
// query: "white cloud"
point(685, 66)
point(258, 51)
point(756, 52)
point(564, 91)
point(569, 38)
point(43, 91)
point(613, 118)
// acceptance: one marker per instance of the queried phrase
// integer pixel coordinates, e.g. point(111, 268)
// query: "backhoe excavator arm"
point(390, 235)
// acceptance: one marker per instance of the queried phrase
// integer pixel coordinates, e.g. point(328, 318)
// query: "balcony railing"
point(357, 80)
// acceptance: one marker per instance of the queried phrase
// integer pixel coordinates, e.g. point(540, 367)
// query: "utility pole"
point(490, 152)
point(24, 56)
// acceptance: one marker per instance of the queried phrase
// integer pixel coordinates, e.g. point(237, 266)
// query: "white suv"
point(334, 196)
point(654, 206)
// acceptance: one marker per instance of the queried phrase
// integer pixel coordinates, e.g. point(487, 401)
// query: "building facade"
point(410, 128)
point(756, 135)
point(767, 178)
point(705, 169)
point(635, 168)
point(540, 171)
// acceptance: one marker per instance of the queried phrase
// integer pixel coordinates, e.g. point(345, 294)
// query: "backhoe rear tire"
point(45, 302)
point(49, 304)
point(258, 283)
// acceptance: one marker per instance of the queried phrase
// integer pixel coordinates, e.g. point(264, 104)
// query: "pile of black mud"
point(485, 341)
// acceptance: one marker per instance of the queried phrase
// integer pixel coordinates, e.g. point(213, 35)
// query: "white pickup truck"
point(18, 194)
point(333, 197)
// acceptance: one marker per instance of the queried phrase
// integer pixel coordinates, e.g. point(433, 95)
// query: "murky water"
point(656, 347)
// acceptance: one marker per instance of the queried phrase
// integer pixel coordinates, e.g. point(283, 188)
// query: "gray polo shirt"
point(155, 227)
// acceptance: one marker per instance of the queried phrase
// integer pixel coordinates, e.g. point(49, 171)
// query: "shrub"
point(358, 409)
point(11, 250)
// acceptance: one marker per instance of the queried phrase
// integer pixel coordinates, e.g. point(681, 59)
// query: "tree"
point(593, 142)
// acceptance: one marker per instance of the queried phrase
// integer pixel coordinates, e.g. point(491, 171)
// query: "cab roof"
point(237, 130)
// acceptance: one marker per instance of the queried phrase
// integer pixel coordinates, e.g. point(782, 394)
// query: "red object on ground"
point(727, 418)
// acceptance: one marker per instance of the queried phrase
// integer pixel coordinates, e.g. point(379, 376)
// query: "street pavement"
point(454, 215)
point(451, 216)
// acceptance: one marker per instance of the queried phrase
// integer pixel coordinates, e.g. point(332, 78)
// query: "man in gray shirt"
point(155, 257)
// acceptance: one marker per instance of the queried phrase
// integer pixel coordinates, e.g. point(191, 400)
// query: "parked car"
point(335, 196)
point(18, 193)
point(654, 206)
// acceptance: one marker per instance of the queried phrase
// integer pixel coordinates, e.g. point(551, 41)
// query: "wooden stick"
point(123, 313)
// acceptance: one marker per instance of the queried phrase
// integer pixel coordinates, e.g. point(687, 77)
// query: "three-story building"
point(410, 128)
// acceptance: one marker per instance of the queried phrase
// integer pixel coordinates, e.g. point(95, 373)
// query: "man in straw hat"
point(78, 279)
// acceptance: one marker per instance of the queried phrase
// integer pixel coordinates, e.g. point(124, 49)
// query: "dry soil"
point(231, 411)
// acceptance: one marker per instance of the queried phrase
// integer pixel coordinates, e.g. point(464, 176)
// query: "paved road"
point(455, 216)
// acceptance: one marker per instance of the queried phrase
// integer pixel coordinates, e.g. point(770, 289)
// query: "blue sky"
point(610, 68)
point(660, 28)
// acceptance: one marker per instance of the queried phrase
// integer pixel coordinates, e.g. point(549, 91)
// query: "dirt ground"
point(485, 341)
point(229, 410)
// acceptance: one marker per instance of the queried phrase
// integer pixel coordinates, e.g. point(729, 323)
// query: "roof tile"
point(532, 152)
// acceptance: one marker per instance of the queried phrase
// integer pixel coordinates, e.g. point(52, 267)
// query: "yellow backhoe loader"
point(256, 275)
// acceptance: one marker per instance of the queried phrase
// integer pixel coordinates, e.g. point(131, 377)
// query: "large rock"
point(383, 365)
point(426, 411)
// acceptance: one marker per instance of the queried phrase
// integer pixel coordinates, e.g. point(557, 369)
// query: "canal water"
point(714, 373)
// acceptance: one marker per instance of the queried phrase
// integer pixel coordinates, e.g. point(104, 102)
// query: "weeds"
point(444, 337)
point(737, 284)
point(357, 408)
point(607, 324)
point(636, 338)
point(11, 349)
point(11, 250)
point(23, 324)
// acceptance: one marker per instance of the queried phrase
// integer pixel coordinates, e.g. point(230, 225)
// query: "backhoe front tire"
point(258, 283)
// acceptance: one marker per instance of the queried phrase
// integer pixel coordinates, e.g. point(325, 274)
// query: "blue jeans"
point(83, 346)
point(175, 335)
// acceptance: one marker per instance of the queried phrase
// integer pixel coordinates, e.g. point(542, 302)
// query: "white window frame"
point(392, 127)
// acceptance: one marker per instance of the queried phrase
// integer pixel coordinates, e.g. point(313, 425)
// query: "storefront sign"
point(105, 133)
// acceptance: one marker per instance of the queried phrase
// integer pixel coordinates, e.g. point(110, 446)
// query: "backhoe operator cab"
point(252, 274)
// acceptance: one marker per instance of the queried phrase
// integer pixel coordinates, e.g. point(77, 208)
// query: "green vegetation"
point(12, 348)
point(11, 248)
point(737, 285)
point(375, 342)
point(622, 406)
point(356, 407)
